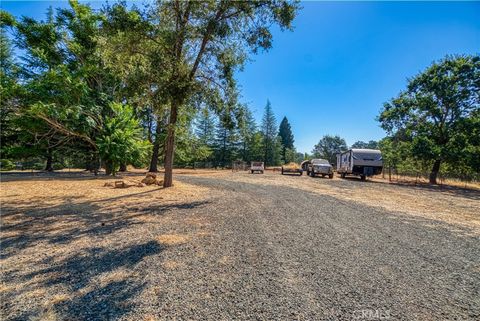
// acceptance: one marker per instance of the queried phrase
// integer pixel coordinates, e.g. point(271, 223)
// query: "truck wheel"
point(312, 174)
point(330, 176)
point(282, 170)
point(261, 172)
point(342, 175)
point(362, 177)
point(301, 173)
point(251, 171)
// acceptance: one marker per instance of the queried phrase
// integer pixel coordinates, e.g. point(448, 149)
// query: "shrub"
point(57, 166)
point(6, 165)
point(38, 166)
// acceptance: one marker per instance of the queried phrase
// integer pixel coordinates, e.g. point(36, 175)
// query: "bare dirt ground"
point(223, 245)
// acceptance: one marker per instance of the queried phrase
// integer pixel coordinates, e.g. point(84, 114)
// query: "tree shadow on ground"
point(25, 224)
point(97, 289)
point(86, 250)
point(45, 176)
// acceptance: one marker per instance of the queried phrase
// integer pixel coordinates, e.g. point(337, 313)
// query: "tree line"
point(219, 142)
point(151, 84)
point(122, 85)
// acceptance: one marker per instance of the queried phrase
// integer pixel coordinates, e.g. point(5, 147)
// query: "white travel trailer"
point(362, 162)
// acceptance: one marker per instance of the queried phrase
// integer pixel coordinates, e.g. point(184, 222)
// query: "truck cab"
point(320, 166)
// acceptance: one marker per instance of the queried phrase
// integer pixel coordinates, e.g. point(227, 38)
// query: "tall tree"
point(205, 127)
point(431, 113)
point(226, 142)
point(246, 130)
point(269, 131)
point(197, 46)
point(328, 147)
point(68, 88)
point(10, 89)
point(286, 136)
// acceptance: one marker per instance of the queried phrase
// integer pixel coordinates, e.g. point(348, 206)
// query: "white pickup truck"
point(257, 167)
point(320, 167)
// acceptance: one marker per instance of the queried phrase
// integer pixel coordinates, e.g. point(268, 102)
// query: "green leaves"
point(328, 147)
point(431, 115)
point(120, 139)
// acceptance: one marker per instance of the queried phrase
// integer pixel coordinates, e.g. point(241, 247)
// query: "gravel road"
point(248, 251)
point(281, 253)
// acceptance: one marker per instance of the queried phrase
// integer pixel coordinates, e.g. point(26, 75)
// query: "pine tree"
point(205, 127)
point(246, 131)
point(286, 137)
point(269, 131)
point(226, 143)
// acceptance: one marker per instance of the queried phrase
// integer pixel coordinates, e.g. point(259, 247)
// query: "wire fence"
point(419, 176)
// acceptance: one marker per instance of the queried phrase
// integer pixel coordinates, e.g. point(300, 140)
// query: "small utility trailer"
point(360, 162)
point(257, 167)
point(292, 168)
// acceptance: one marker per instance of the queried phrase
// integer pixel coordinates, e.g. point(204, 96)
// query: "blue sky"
point(332, 74)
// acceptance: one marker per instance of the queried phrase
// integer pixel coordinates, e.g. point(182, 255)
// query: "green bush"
point(38, 166)
point(6, 165)
point(57, 166)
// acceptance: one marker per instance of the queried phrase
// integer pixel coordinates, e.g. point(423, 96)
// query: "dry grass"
point(70, 227)
point(173, 239)
point(421, 181)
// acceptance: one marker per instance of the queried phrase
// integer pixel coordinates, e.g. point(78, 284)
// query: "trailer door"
point(350, 163)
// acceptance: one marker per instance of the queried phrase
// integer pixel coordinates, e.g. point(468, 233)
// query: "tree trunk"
point(123, 167)
point(48, 166)
point(434, 172)
point(109, 170)
point(170, 146)
point(156, 150)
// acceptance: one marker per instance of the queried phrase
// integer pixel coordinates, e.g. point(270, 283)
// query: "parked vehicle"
point(257, 167)
point(320, 167)
point(292, 168)
point(305, 164)
point(360, 162)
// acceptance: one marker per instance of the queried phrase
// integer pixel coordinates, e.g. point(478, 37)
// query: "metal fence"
point(443, 177)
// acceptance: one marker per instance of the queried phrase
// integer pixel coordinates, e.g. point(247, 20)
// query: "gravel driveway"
point(291, 254)
point(261, 252)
